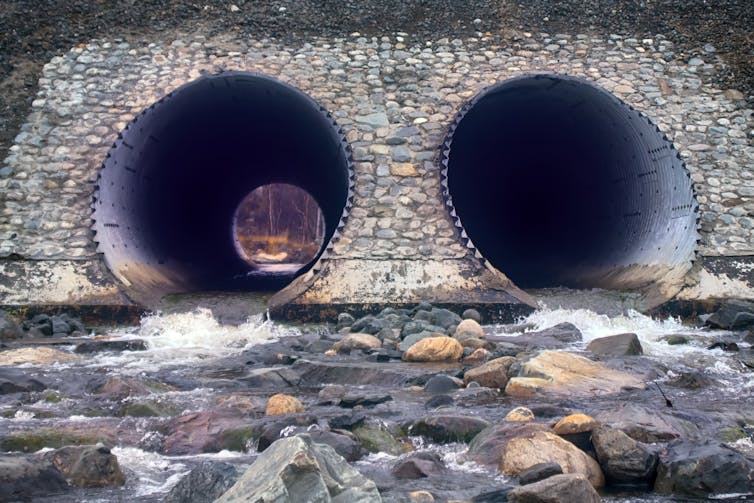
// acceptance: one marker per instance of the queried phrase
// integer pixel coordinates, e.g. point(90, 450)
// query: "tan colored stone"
point(624, 89)
point(280, 404)
point(565, 374)
point(36, 356)
point(493, 374)
point(468, 328)
point(521, 414)
point(479, 355)
point(364, 342)
point(421, 497)
point(331, 352)
point(434, 349)
point(544, 447)
point(403, 169)
point(575, 423)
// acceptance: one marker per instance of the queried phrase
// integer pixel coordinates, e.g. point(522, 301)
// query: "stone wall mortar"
point(394, 99)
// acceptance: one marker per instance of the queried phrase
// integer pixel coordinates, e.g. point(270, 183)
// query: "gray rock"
point(115, 345)
point(733, 315)
point(26, 477)
point(700, 470)
point(418, 465)
point(444, 318)
point(344, 445)
point(14, 380)
point(345, 320)
point(616, 345)
point(298, 469)
point(374, 120)
point(60, 326)
point(9, 329)
point(623, 459)
point(379, 436)
point(204, 483)
point(472, 314)
point(645, 424)
point(440, 384)
point(538, 472)
point(566, 488)
point(414, 338)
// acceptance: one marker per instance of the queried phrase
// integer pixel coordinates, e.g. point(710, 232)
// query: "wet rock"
point(346, 421)
point(9, 329)
point(623, 459)
point(645, 424)
point(434, 349)
point(418, 465)
point(281, 404)
point(520, 414)
point(416, 326)
point(468, 329)
point(353, 373)
point(544, 447)
point(493, 374)
point(690, 380)
point(111, 345)
point(494, 496)
point(25, 477)
point(331, 394)
point(438, 401)
point(18, 381)
point(444, 318)
point(676, 339)
point(55, 438)
point(271, 429)
point(441, 384)
point(539, 472)
point(204, 483)
point(446, 428)
point(616, 345)
point(344, 445)
point(297, 469)
point(201, 432)
point(88, 466)
point(122, 387)
point(563, 332)
point(472, 314)
point(733, 315)
point(362, 342)
point(477, 357)
point(35, 356)
point(725, 346)
point(700, 470)
point(352, 400)
point(368, 325)
point(566, 488)
point(377, 436)
point(488, 446)
point(566, 374)
point(146, 409)
point(271, 377)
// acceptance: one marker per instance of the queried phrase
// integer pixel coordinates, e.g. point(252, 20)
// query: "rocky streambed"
point(420, 405)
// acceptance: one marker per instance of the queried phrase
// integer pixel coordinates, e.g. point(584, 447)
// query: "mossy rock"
point(676, 340)
point(238, 439)
point(147, 409)
point(376, 438)
point(34, 441)
point(53, 397)
point(732, 434)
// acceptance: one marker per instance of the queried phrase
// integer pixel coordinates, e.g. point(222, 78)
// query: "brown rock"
point(88, 466)
point(566, 488)
point(488, 445)
point(468, 328)
point(403, 169)
point(545, 447)
point(562, 374)
point(479, 356)
point(493, 374)
point(434, 349)
point(201, 432)
point(280, 404)
point(35, 356)
point(520, 414)
point(363, 342)
point(575, 423)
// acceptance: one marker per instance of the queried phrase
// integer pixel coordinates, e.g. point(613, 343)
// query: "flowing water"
point(182, 345)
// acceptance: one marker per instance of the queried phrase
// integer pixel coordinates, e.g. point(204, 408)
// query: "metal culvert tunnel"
point(168, 190)
point(556, 182)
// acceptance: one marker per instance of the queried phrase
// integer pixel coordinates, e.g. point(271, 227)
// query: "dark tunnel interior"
point(558, 183)
point(170, 186)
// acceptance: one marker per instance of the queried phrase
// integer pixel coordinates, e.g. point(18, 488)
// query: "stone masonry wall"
point(394, 99)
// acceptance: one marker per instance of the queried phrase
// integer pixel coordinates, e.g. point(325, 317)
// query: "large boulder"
point(467, 329)
point(88, 466)
point(616, 345)
point(733, 315)
point(280, 404)
point(297, 469)
point(623, 459)
point(204, 483)
point(206, 431)
point(699, 470)
point(434, 349)
point(362, 342)
point(488, 446)
point(446, 428)
point(566, 488)
point(545, 447)
point(25, 477)
point(565, 374)
point(493, 374)
point(646, 424)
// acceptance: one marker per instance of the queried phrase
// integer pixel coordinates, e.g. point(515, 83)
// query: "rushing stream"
point(196, 360)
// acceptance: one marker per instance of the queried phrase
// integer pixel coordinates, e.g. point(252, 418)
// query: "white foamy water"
point(187, 338)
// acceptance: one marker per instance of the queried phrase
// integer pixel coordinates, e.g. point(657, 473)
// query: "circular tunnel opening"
point(170, 190)
point(556, 182)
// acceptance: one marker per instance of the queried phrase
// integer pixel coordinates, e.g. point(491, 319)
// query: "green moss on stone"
point(238, 439)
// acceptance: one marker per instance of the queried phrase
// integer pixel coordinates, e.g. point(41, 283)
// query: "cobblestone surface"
point(394, 99)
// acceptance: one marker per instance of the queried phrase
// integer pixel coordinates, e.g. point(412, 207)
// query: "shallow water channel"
point(198, 364)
